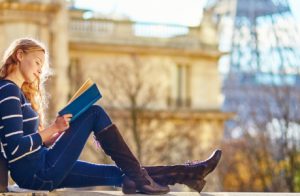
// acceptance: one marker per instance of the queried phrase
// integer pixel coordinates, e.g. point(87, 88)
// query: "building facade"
point(164, 92)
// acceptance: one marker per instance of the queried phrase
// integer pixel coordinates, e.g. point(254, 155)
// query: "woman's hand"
point(62, 122)
point(52, 140)
point(51, 133)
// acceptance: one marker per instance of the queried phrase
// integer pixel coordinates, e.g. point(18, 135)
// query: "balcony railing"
point(87, 27)
point(135, 33)
point(135, 28)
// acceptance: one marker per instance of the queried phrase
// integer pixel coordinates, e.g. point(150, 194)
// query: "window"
point(183, 95)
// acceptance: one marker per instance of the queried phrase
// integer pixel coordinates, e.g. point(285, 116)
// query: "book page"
point(85, 86)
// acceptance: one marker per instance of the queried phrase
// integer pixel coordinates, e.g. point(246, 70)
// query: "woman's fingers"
point(63, 121)
point(67, 119)
point(68, 115)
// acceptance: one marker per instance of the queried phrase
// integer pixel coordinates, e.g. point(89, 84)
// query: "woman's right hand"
point(60, 125)
point(62, 122)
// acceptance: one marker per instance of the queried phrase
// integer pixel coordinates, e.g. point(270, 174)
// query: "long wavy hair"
point(35, 91)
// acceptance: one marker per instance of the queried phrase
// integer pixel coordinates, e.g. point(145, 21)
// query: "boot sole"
point(133, 190)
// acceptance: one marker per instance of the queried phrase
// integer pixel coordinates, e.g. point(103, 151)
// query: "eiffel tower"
point(263, 55)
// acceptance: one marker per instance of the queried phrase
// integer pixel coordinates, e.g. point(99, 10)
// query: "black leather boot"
point(114, 145)
point(191, 174)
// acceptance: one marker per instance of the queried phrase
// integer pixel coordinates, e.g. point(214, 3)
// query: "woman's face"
point(31, 65)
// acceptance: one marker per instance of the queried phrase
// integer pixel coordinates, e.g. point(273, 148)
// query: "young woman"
point(24, 139)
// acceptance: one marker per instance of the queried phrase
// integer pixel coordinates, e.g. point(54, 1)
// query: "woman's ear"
point(20, 54)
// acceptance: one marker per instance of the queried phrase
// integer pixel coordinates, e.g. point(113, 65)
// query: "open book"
point(84, 97)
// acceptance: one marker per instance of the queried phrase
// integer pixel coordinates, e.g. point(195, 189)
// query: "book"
point(83, 98)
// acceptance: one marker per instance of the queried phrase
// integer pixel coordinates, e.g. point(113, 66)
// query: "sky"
point(187, 12)
point(180, 12)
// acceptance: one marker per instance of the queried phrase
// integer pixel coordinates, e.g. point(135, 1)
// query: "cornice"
point(31, 7)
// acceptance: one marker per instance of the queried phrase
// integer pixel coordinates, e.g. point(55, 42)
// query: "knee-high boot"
point(191, 174)
point(114, 145)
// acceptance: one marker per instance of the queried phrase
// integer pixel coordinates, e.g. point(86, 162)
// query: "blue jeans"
point(59, 167)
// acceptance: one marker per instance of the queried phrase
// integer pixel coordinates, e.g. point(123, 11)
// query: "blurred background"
point(180, 79)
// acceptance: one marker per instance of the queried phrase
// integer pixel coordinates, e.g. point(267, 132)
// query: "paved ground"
point(116, 193)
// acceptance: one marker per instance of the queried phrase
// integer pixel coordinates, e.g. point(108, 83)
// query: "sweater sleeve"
point(18, 144)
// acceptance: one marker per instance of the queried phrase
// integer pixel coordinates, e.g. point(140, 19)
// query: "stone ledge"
point(113, 193)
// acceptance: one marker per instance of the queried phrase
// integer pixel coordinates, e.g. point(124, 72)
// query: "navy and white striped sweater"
point(18, 123)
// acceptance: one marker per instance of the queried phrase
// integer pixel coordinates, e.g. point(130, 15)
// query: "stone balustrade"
point(135, 33)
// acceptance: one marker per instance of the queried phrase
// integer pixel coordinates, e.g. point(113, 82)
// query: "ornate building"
point(165, 92)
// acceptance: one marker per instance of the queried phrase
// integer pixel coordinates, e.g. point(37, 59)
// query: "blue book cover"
point(86, 96)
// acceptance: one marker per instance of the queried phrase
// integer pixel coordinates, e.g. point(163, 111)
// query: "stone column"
point(59, 60)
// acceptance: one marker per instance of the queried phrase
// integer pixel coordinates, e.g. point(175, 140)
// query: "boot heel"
point(197, 185)
point(201, 185)
point(129, 190)
point(128, 186)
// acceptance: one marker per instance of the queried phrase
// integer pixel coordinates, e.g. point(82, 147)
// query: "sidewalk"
point(113, 193)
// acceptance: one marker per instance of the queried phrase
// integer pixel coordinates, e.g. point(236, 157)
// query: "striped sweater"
point(18, 123)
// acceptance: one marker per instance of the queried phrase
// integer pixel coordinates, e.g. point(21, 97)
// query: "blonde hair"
point(35, 91)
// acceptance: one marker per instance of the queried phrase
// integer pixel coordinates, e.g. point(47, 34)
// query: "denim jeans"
point(59, 167)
